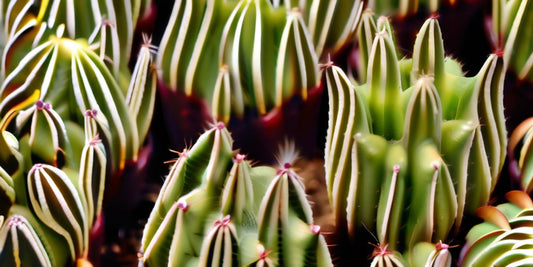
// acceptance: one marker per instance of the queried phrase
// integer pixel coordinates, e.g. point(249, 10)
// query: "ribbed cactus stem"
point(428, 56)
point(20, 244)
point(423, 116)
point(367, 34)
point(383, 76)
point(389, 205)
point(297, 63)
point(223, 98)
point(57, 204)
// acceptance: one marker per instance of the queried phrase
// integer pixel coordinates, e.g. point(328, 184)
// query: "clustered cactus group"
point(217, 211)
point(414, 146)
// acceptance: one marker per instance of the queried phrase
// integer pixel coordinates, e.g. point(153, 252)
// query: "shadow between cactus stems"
point(259, 137)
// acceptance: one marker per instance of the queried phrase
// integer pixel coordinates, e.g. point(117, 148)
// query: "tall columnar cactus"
point(505, 238)
point(417, 140)
point(215, 211)
point(69, 122)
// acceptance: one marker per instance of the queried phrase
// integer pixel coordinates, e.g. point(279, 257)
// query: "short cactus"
point(215, 211)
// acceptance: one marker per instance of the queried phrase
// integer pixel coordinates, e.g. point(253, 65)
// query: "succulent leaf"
point(431, 255)
point(504, 238)
point(48, 136)
point(517, 54)
point(186, 64)
point(209, 159)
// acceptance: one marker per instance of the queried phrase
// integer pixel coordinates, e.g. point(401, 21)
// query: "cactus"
point(510, 25)
point(412, 140)
point(69, 123)
point(217, 211)
point(504, 238)
point(268, 53)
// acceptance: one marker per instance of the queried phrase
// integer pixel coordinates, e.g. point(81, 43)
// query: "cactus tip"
point(220, 126)
point(263, 253)
point(40, 105)
point(434, 15)
point(224, 222)
point(37, 166)
point(441, 246)
point(499, 52)
point(14, 221)
point(183, 205)
point(91, 113)
point(239, 158)
point(396, 169)
point(315, 229)
point(435, 165)
point(381, 250)
point(287, 165)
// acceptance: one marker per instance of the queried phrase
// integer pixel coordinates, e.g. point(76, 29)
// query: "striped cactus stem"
point(71, 116)
point(60, 55)
point(504, 239)
point(93, 170)
point(24, 241)
point(57, 204)
point(47, 135)
point(260, 217)
point(510, 25)
point(109, 27)
point(431, 255)
point(416, 139)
